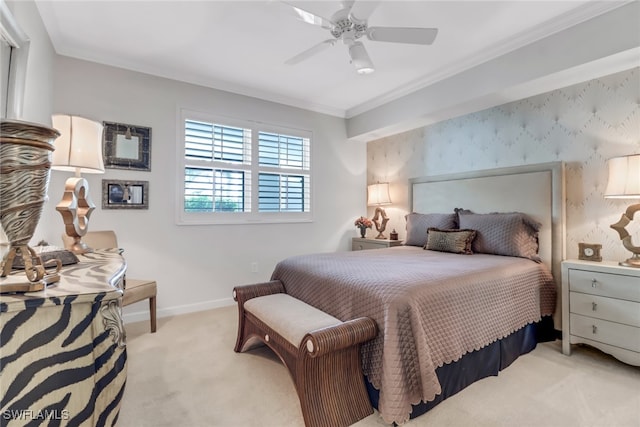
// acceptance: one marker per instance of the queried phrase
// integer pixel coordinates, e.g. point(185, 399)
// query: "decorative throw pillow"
point(454, 241)
point(418, 224)
point(511, 234)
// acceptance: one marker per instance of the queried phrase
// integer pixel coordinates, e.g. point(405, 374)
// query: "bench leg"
point(152, 313)
point(331, 389)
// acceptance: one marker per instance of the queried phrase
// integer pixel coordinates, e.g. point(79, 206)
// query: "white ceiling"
point(241, 46)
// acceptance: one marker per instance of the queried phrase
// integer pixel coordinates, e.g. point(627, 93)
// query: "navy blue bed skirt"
point(482, 363)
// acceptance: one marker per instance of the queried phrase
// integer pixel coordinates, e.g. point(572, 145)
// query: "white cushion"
point(290, 317)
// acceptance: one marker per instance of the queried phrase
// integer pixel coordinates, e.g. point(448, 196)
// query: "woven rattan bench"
point(321, 352)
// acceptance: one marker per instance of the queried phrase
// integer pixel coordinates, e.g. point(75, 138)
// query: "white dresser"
point(601, 307)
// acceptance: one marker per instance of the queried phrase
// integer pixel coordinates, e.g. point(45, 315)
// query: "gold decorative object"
point(624, 183)
point(79, 149)
point(377, 195)
point(25, 165)
point(619, 226)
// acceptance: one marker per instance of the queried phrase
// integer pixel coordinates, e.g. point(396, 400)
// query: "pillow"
point(418, 224)
point(454, 241)
point(511, 234)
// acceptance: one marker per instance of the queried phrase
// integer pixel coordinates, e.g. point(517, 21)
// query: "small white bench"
point(321, 352)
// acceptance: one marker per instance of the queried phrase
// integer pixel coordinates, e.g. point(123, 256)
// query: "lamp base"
point(76, 207)
point(79, 247)
point(620, 227)
point(380, 225)
point(634, 261)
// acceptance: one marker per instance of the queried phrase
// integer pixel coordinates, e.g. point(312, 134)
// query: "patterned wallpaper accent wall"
point(582, 125)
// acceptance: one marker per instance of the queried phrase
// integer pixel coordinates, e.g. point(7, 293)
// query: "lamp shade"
point(624, 177)
point(79, 147)
point(378, 194)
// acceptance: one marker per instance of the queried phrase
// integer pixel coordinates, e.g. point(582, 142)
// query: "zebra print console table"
point(63, 359)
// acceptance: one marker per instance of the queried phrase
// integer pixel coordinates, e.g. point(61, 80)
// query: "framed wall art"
point(126, 146)
point(118, 194)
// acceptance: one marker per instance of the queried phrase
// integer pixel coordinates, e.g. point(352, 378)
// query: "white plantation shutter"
point(220, 158)
point(208, 141)
point(284, 191)
point(216, 175)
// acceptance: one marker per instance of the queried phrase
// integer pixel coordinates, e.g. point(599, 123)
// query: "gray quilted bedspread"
point(431, 309)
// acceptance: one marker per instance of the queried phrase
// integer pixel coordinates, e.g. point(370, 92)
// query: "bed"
point(447, 319)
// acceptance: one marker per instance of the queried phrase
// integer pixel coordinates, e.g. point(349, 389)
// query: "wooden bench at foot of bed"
point(321, 352)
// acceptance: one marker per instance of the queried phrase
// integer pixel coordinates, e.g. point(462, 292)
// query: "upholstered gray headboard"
point(537, 190)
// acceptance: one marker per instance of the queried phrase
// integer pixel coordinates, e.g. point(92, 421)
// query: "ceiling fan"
point(349, 24)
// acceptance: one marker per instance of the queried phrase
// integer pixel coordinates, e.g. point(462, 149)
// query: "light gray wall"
point(583, 125)
point(196, 267)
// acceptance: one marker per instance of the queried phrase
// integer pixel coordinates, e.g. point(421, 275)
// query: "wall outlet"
point(254, 267)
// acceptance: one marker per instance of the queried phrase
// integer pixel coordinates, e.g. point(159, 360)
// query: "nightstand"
point(360, 243)
point(601, 308)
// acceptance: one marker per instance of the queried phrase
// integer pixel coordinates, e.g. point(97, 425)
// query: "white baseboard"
point(140, 316)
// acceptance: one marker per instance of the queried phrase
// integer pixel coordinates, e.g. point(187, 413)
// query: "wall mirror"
point(127, 146)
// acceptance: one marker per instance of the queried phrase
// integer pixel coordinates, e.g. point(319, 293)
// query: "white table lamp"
point(78, 149)
point(378, 195)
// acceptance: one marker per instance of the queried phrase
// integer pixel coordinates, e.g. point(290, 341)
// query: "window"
point(240, 171)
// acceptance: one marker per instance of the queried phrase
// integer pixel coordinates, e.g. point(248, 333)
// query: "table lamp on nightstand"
point(378, 195)
point(624, 183)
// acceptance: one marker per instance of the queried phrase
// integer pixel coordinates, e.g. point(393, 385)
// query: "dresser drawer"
point(361, 246)
point(605, 284)
point(606, 332)
point(615, 310)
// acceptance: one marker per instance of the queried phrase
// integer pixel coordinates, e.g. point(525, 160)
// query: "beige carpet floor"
point(187, 374)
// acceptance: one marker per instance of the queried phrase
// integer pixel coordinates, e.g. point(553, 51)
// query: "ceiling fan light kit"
point(360, 58)
point(350, 24)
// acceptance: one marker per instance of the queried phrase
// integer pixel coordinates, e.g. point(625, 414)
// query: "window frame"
point(19, 43)
point(253, 216)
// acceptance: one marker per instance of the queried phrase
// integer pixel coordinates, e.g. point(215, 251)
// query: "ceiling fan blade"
point(402, 34)
point(310, 18)
point(362, 10)
point(310, 52)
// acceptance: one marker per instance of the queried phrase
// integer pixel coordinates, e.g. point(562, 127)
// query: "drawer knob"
point(594, 283)
point(594, 329)
point(594, 306)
